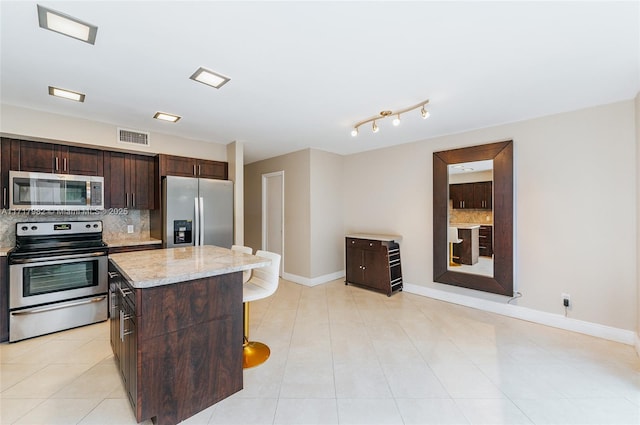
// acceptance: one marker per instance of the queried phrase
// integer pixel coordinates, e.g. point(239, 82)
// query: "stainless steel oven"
point(57, 278)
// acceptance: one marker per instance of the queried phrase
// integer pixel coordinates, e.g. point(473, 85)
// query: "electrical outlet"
point(566, 300)
point(130, 228)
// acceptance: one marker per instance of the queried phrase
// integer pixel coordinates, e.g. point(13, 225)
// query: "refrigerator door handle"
point(201, 221)
point(196, 231)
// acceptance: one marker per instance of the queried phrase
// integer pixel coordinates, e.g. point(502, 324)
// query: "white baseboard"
point(531, 315)
point(313, 281)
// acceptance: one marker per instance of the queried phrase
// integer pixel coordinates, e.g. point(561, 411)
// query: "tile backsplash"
point(114, 223)
point(470, 216)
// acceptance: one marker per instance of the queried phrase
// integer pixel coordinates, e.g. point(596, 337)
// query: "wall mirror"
point(470, 209)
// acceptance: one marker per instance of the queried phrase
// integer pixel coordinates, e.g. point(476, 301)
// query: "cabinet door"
point(141, 182)
point(482, 195)
point(212, 169)
point(375, 269)
point(33, 156)
point(82, 161)
point(177, 166)
point(353, 265)
point(116, 180)
point(5, 156)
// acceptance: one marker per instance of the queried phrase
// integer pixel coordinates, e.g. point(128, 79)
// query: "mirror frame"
point(502, 155)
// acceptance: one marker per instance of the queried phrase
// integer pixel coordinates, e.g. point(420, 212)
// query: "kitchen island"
point(176, 327)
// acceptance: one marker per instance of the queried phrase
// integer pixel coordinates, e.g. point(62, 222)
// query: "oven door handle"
point(56, 307)
point(55, 258)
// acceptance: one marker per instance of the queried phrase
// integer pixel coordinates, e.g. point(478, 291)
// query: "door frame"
point(265, 196)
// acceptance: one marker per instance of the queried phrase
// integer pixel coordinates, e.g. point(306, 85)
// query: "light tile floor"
point(345, 355)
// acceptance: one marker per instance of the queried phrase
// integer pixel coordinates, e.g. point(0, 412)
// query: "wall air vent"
point(133, 137)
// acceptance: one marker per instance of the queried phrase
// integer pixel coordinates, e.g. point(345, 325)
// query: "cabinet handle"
point(57, 164)
point(133, 199)
point(64, 164)
point(4, 197)
point(199, 170)
point(194, 169)
point(113, 275)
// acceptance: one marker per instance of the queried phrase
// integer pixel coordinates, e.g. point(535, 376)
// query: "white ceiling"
point(302, 73)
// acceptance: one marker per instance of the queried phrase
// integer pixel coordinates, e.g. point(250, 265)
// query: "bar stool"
point(246, 275)
point(263, 283)
point(453, 238)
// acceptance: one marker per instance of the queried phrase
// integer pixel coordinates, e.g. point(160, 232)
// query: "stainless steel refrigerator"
point(197, 212)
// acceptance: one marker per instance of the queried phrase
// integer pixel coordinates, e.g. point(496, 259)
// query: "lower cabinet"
point(178, 346)
point(123, 331)
point(373, 263)
point(4, 299)
point(466, 252)
point(486, 241)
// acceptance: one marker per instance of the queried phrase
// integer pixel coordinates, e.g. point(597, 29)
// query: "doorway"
point(273, 214)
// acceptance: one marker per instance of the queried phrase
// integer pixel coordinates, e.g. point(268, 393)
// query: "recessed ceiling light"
point(210, 78)
point(68, 25)
point(66, 94)
point(166, 117)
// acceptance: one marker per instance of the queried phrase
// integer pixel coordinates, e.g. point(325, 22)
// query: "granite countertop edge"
point(138, 280)
point(112, 243)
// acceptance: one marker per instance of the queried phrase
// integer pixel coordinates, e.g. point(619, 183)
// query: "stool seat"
point(263, 283)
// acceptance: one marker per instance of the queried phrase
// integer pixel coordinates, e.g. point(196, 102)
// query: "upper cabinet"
point(130, 181)
point(476, 195)
point(52, 158)
point(171, 165)
point(5, 154)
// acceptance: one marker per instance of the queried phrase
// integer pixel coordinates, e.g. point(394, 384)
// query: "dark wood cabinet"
point(4, 299)
point(171, 165)
point(123, 331)
point(482, 195)
point(5, 156)
point(130, 181)
point(178, 346)
point(52, 158)
point(467, 251)
point(486, 241)
point(373, 263)
point(476, 195)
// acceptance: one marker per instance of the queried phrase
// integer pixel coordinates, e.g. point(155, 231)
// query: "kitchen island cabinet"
point(467, 251)
point(177, 333)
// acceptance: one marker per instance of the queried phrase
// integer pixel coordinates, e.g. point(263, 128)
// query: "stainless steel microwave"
point(57, 192)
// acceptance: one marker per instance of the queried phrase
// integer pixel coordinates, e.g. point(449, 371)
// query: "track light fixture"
point(396, 121)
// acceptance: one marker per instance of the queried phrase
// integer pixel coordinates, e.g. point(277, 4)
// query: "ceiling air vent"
point(133, 137)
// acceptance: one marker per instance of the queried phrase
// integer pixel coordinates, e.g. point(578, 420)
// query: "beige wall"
point(37, 125)
point(327, 217)
point(297, 248)
point(575, 209)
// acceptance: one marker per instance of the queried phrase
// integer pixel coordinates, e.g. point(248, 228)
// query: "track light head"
point(375, 127)
point(396, 121)
point(354, 132)
point(425, 114)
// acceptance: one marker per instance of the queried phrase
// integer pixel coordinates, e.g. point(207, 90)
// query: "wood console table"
point(373, 261)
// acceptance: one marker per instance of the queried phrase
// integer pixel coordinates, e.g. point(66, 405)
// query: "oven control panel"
point(58, 228)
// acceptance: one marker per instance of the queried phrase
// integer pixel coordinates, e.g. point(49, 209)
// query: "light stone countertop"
point(384, 238)
point(465, 225)
point(131, 242)
point(4, 250)
point(148, 269)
